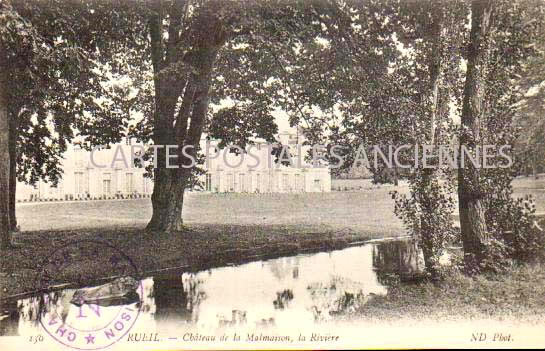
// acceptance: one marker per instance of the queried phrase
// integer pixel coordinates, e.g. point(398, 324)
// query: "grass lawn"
point(369, 212)
point(522, 186)
point(516, 296)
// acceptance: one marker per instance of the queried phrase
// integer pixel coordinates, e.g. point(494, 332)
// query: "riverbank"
point(516, 296)
point(200, 247)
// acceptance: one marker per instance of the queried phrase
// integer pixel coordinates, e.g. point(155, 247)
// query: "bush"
point(496, 259)
point(427, 215)
point(513, 222)
point(513, 236)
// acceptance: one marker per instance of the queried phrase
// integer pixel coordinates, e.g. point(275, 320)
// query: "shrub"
point(513, 222)
point(513, 236)
point(427, 215)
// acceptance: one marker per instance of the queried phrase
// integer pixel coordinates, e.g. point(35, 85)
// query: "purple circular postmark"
point(90, 314)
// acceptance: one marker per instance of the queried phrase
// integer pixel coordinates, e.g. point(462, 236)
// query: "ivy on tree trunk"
point(470, 195)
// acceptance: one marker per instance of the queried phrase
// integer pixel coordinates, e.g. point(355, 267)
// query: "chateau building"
point(230, 172)
point(109, 174)
point(114, 177)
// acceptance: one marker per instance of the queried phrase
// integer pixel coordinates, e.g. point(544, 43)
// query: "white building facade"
point(86, 179)
point(110, 174)
point(229, 172)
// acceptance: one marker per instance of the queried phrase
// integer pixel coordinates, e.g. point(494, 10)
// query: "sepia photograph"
point(272, 174)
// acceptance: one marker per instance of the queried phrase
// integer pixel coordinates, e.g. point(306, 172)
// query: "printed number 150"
point(36, 338)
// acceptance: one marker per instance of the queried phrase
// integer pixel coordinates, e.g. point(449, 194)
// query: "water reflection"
point(399, 259)
point(283, 299)
point(9, 319)
point(177, 297)
point(284, 291)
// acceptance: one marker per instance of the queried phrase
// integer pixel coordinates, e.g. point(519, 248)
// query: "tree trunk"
point(5, 240)
point(167, 201)
point(171, 128)
point(12, 171)
point(470, 196)
point(168, 193)
point(534, 166)
point(428, 230)
point(428, 250)
point(165, 196)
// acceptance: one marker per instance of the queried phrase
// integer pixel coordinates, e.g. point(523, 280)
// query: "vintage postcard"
point(272, 174)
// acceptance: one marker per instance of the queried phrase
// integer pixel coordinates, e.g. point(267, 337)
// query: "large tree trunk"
point(5, 240)
point(172, 127)
point(167, 198)
point(165, 194)
point(167, 201)
point(470, 195)
point(165, 191)
point(168, 193)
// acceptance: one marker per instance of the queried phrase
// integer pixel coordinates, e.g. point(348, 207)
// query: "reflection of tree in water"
point(238, 317)
point(147, 302)
point(177, 297)
point(394, 260)
point(56, 304)
point(9, 319)
point(338, 296)
point(283, 299)
point(281, 268)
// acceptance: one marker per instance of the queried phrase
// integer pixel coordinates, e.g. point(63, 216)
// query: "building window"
point(79, 183)
point(129, 183)
point(145, 185)
point(78, 156)
point(317, 184)
point(285, 182)
point(106, 183)
point(230, 182)
point(297, 182)
point(242, 183)
point(208, 182)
